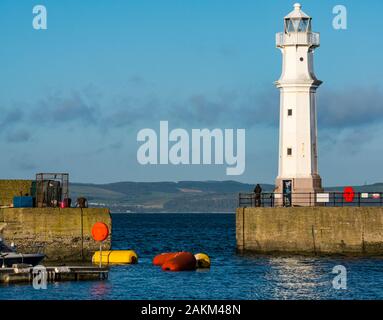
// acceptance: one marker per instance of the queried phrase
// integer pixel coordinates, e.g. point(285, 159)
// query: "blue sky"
point(73, 97)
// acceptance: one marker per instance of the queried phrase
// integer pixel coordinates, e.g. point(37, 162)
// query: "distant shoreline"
point(170, 197)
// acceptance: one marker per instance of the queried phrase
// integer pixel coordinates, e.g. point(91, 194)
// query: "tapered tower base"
point(298, 191)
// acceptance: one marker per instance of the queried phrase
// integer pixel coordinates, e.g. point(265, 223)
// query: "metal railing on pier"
point(324, 199)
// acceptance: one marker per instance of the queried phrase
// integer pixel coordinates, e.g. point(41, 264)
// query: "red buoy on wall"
point(100, 231)
point(349, 194)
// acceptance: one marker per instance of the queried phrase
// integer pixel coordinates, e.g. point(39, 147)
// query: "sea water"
point(231, 276)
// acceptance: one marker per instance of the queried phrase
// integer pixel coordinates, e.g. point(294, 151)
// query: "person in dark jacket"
point(257, 192)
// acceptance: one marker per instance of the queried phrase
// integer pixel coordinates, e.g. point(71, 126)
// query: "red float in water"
point(182, 261)
point(160, 259)
point(349, 194)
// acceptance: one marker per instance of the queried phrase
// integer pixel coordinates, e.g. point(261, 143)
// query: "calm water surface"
point(231, 276)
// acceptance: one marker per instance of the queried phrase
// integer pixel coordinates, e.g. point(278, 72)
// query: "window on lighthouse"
point(304, 25)
point(297, 25)
point(289, 26)
point(289, 151)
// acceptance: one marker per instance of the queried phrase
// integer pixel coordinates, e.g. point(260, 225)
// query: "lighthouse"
point(298, 178)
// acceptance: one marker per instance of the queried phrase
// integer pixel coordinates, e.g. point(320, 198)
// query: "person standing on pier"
point(257, 192)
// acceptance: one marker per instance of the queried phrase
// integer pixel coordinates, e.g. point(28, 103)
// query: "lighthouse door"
point(287, 186)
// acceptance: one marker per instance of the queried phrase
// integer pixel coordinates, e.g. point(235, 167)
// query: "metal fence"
point(51, 189)
point(325, 199)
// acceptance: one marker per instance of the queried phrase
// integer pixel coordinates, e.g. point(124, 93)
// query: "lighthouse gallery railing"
point(298, 38)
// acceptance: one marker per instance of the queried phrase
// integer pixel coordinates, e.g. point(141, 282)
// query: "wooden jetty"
point(25, 274)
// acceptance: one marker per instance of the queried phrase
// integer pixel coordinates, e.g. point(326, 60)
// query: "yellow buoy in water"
point(115, 257)
point(203, 260)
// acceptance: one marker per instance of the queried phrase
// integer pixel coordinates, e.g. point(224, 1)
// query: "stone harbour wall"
point(62, 234)
point(311, 230)
point(13, 188)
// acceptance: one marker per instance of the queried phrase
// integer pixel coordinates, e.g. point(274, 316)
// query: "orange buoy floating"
point(160, 259)
point(182, 261)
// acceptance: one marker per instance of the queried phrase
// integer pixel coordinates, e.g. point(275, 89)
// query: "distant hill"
point(183, 196)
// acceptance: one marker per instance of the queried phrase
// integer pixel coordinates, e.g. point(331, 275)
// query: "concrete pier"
point(310, 230)
point(61, 234)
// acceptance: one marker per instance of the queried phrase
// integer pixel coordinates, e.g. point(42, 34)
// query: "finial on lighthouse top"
point(297, 13)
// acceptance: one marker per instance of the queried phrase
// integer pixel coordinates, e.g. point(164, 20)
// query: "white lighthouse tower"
point(298, 157)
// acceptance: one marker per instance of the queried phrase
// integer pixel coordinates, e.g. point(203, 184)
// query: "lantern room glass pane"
point(309, 26)
point(296, 23)
point(304, 25)
point(289, 26)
